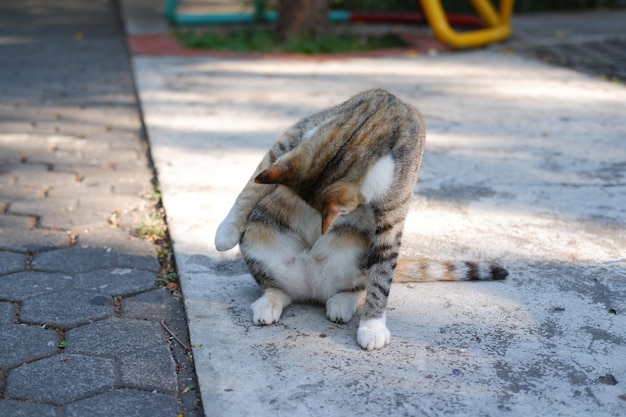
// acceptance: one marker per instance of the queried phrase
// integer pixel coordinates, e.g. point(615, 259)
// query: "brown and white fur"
point(322, 217)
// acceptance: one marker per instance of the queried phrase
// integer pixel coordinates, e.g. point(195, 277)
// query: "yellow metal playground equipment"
point(498, 23)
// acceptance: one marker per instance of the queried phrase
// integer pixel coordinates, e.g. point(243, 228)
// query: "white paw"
point(341, 307)
point(373, 333)
point(227, 236)
point(266, 312)
point(268, 308)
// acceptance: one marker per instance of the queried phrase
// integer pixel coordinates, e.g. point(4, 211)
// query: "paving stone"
point(12, 408)
point(6, 180)
point(45, 179)
point(74, 259)
point(120, 140)
point(123, 182)
point(61, 142)
point(7, 313)
point(132, 189)
point(8, 221)
point(22, 169)
point(15, 126)
point(11, 262)
point(120, 179)
point(153, 369)
point(82, 144)
point(79, 189)
point(10, 155)
point(60, 379)
point(58, 157)
point(75, 129)
point(114, 337)
point(23, 175)
point(112, 203)
point(110, 238)
point(39, 206)
point(113, 156)
point(129, 251)
point(68, 308)
point(20, 343)
point(79, 168)
point(152, 305)
point(132, 165)
point(22, 285)
point(19, 193)
point(125, 403)
point(32, 240)
point(139, 259)
point(75, 221)
point(115, 281)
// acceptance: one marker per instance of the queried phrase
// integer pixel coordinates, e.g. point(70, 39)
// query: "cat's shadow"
point(301, 322)
point(297, 319)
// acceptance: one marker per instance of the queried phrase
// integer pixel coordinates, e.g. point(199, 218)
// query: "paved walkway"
point(80, 314)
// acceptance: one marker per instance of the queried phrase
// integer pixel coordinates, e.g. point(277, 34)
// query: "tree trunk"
point(302, 18)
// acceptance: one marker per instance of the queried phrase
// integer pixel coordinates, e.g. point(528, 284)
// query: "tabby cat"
point(322, 217)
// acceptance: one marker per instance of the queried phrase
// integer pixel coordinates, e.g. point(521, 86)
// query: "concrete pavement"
point(524, 164)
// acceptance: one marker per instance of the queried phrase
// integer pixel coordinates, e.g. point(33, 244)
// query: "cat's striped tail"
point(422, 270)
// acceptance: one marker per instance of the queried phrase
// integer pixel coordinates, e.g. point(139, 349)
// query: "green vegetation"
point(261, 39)
point(154, 228)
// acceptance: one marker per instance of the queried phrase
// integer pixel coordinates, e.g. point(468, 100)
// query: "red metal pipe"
point(412, 18)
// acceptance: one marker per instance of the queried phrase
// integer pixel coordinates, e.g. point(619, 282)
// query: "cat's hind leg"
point(268, 265)
point(337, 261)
point(342, 306)
point(271, 255)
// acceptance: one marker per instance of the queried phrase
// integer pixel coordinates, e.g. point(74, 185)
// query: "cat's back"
point(377, 120)
point(350, 138)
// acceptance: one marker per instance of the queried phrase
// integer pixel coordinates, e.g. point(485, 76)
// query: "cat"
point(322, 217)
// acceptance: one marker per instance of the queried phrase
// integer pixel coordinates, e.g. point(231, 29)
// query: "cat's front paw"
point(265, 312)
point(268, 308)
point(227, 236)
point(373, 333)
point(341, 307)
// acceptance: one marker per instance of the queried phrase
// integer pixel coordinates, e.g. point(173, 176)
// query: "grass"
point(261, 39)
point(154, 229)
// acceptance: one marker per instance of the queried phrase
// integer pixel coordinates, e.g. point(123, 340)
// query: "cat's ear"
point(280, 172)
point(342, 200)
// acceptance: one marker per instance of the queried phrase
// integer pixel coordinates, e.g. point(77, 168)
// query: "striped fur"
point(423, 270)
point(321, 219)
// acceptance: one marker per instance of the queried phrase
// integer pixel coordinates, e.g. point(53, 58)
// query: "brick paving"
point(80, 312)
